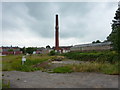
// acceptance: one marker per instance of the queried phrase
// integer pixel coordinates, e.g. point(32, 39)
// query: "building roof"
point(93, 44)
point(63, 47)
point(66, 46)
point(3, 47)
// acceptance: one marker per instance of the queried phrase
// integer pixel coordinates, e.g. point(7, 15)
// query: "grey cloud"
point(15, 16)
point(39, 18)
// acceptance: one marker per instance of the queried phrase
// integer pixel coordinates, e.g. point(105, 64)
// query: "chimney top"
point(119, 4)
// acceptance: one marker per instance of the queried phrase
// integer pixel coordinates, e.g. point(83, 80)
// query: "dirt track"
point(40, 79)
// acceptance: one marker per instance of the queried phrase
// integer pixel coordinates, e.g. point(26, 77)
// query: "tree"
point(114, 37)
point(93, 42)
point(30, 50)
point(52, 53)
point(48, 46)
point(10, 50)
point(23, 50)
point(97, 41)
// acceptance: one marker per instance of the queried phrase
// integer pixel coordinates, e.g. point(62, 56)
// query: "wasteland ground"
point(43, 71)
point(39, 79)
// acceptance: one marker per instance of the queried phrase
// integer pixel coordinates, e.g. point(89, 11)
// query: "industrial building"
point(92, 47)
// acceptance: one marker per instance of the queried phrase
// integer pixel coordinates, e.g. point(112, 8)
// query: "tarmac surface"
point(39, 79)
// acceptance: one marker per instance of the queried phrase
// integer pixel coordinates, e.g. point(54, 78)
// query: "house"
point(10, 50)
point(64, 49)
point(43, 50)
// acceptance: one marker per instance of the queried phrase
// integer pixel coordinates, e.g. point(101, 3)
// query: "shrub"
point(52, 53)
point(109, 56)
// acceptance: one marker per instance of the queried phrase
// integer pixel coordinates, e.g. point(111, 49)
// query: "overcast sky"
point(33, 23)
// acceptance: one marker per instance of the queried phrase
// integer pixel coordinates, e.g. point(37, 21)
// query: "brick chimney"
point(57, 34)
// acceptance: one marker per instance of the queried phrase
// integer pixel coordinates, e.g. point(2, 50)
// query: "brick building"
point(43, 50)
point(10, 50)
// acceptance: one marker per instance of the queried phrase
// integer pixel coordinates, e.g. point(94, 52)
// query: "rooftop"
point(93, 44)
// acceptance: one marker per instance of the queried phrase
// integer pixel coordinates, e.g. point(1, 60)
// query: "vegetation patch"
point(105, 68)
point(106, 56)
point(64, 69)
point(105, 62)
point(13, 62)
point(26, 68)
point(5, 84)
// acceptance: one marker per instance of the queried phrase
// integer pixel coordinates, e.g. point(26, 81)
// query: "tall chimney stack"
point(56, 34)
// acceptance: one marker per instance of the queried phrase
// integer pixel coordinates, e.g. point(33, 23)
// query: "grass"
point(13, 62)
point(5, 84)
point(64, 69)
point(9, 62)
point(104, 62)
point(106, 68)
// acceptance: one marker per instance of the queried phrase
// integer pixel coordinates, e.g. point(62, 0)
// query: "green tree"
point(30, 50)
point(52, 53)
point(114, 37)
point(48, 46)
point(10, 50)
point(93, 42)
point(97, 41)
point(23, 50)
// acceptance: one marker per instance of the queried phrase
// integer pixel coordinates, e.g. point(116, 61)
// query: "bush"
point(52, 53)
point(108, 56)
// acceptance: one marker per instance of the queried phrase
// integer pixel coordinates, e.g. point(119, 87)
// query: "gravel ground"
point(40, 79)
point(55, 64)
point(68, 62)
